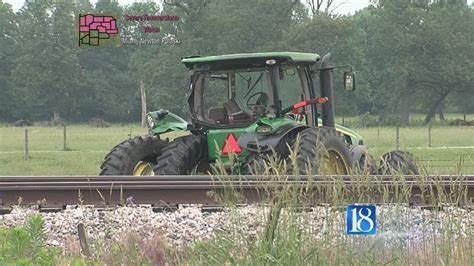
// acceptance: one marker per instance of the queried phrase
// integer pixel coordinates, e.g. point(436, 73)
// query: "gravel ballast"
point(186, 225)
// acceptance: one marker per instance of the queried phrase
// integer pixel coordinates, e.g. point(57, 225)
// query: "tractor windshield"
point(233, 96)
point(238, 97)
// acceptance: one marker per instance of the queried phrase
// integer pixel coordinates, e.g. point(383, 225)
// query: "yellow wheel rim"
point(334, 164)
point(143, 169)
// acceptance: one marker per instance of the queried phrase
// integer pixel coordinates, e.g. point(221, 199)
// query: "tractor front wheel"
point(183, 156)
point(363, 162)
point(135, 156)
point(321, 151)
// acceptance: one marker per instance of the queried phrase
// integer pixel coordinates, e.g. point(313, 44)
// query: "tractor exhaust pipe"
point(325, 78)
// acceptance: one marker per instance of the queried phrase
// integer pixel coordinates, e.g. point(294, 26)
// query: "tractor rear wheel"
point(398, 162)
point(321, 151)
point(133, 156)
point(183, 156)
point(265, 163)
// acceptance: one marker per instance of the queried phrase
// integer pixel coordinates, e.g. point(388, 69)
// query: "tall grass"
point(300, 225)
point(296, 224)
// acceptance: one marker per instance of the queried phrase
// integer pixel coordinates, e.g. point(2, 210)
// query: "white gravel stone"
point(189, 224)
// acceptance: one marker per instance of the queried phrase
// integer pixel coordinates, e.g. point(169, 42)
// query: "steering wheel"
point(262, 96)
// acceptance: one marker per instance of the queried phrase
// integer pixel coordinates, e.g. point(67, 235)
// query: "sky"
point(346, 6)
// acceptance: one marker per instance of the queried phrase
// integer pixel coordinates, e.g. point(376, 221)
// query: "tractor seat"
point(234, 112)
point(218, 115)
point(232, 107)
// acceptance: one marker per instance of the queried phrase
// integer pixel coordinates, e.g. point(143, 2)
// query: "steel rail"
point(170, 191)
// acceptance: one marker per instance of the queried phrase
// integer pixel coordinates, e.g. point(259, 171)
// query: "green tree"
point(47, 75)
point(418, 55)
point(445, 57)
point(111, 92)
point(8, 31)
point(339, 36)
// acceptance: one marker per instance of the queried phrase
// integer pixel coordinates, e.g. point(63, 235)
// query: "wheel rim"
point(334, 164)
point(143, 169)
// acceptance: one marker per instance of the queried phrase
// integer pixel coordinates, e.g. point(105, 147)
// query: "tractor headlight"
point(270, 62)
point(264, 129)
point(150, 121)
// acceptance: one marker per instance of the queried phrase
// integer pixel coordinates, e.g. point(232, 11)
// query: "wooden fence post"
point(429, 134)
point(26, 143)
point(397, 137)
point(64, 137)
point(83, 241)
point(143, 102)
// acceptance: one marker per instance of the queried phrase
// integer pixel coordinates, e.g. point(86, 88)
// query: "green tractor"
point(248, 108)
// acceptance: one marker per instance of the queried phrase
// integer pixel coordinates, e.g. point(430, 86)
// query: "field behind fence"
point(81, 152)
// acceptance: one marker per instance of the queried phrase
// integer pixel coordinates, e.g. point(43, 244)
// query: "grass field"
point(416, 120)
point(452, 148)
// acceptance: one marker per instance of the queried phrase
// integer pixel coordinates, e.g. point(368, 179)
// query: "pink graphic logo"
point(93, 29)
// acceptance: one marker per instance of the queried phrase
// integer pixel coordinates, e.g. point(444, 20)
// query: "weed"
point(26, 245)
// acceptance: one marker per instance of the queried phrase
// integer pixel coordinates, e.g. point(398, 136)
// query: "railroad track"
point(56, 192)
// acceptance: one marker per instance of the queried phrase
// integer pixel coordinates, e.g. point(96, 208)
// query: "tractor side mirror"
point(349, 81)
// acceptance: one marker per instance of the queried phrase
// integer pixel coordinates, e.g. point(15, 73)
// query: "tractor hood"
point(356, 139)
point(163, 121)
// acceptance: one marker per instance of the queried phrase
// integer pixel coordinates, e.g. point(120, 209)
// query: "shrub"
point(26, 245)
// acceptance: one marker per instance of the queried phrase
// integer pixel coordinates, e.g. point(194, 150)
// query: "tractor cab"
point(234, 91)
point(257, 99)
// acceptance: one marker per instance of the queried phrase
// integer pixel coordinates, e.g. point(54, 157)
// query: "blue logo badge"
point(361, 220)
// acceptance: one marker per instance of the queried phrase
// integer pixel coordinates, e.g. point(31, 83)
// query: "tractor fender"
point(260, 142)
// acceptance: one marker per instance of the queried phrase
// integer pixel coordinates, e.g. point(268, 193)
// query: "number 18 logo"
point(361, 220)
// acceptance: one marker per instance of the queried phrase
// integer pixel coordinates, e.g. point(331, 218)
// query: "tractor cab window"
point(234, 97)
point(291, 88)
point(252, 91)
point(215, 92)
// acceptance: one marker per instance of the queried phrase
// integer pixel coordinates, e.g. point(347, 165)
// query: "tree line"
point(410, 56)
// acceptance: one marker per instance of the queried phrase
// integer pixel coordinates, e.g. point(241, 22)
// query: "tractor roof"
point(250, 58)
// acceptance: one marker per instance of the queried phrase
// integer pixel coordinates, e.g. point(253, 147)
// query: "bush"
point(98, 122)
point(368, 120)
point(26, 245)
point(390, 120)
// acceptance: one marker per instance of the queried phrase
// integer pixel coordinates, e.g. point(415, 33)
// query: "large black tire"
point(183, 156)
point(362, 161)
point(124, 157)
point(262, 163)
point(398, 162)
point(318, 146)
